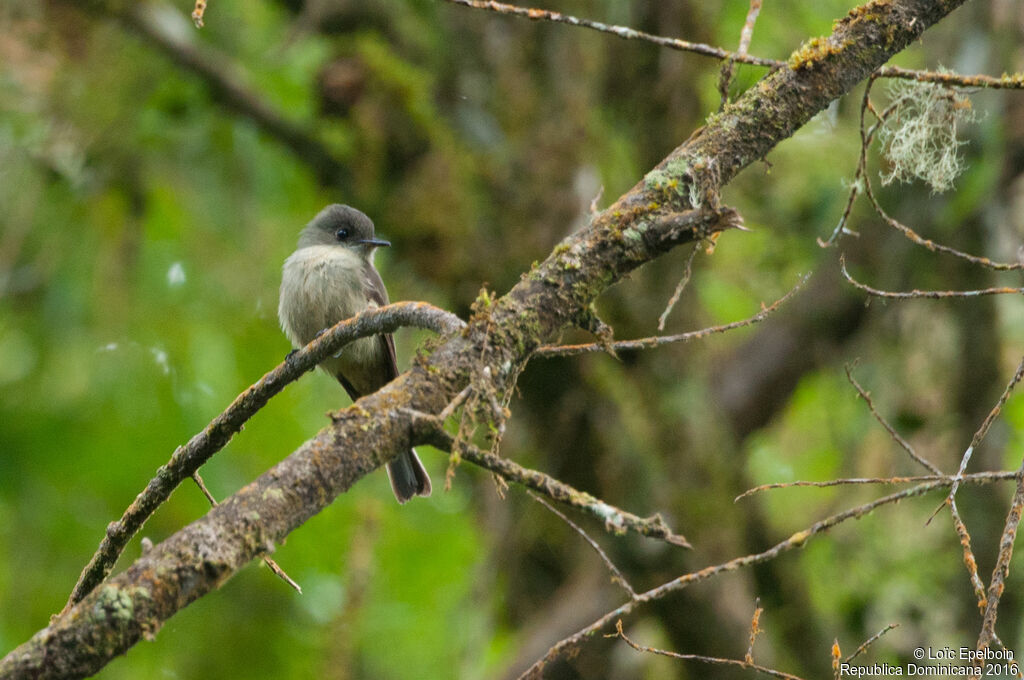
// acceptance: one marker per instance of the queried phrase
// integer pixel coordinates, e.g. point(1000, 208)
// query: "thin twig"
point(1002, 568)
point(985, 425)
point(713, 660)
point(198, 479)
point(266, 559)
point(970, 562)
point(448, 410)
point(870, 641)
point(755, 630)
point(964, 537)
point(797, 540)
point(617, 576)
point(201, 447)
point(547, 351)
point(1013, 81)
point(929, 294)
point(941, 480)
point(866, 137)
point(623, 32)
point(679, 287)
point(429, 430)
point(930, 244)
point(746, 34)
point(889, 428)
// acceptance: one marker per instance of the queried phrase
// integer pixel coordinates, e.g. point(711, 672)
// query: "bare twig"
point(1011, 81)
point(455, 403)
point(970, 562)
point(623, 32)
point(797, 540)
point(866, 137)
point(656, 341)
point(617, 576)
point(746, 35)
point(198, 479)
point(982, 431)
point(870, 641)
point(266, 559)
point(679, 288)
point(755, 630)
point(190, 457)
point(930, 244)
point(941, 480)
point(929, 294)
point(713, 660)
point(889, 428)
point(428, 430)
point(1002, 568)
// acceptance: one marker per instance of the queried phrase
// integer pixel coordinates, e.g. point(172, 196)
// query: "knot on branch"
point(701, 224)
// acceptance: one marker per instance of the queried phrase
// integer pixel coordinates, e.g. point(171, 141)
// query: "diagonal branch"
point(616, 521)
point(215, 436)
point(1014, 81)
point(571, 644)
point(549, 351)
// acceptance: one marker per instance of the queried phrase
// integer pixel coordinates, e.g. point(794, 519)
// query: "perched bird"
point(331, 277)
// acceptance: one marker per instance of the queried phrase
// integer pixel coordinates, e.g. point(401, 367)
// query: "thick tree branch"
point(187, 459)
point(550, 297)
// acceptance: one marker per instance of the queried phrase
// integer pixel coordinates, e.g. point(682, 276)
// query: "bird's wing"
point(378, 295)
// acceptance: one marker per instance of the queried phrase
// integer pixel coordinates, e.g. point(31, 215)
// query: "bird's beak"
point(376, 242)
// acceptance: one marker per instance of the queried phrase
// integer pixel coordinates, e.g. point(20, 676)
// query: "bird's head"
point(342, 226)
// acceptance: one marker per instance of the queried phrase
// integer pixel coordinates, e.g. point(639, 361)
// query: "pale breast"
point(320, 286)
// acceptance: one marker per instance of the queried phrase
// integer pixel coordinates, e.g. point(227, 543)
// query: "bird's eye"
point(341, 234)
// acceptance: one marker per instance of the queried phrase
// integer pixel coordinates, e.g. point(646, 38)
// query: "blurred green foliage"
point(144, 221)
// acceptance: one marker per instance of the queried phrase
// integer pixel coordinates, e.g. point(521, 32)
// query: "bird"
point(330, 277)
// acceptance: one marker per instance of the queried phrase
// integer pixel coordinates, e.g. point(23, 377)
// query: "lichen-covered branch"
point(429, 431)
point(187, 459)
point(202, 556)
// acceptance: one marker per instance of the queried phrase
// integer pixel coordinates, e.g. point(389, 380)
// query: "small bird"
point(331, 277)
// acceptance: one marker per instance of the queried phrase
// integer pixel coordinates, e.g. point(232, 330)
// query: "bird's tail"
point(408, 477)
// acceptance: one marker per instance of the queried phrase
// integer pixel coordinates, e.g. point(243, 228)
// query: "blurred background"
point(153, 177)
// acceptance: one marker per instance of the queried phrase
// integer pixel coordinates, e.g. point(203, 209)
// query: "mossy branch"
point(187, 459)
